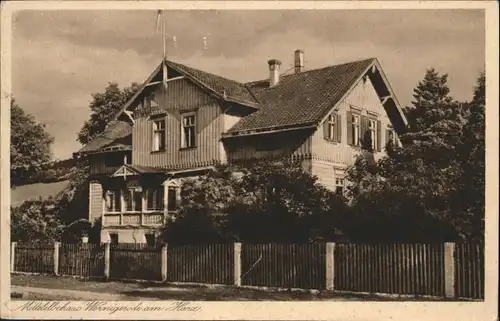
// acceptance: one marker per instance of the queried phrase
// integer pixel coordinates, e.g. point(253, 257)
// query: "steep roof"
point(114, 134)
point(300, 99)
point(220, 85)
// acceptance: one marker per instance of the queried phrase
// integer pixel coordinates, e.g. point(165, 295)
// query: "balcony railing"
point(135, 219)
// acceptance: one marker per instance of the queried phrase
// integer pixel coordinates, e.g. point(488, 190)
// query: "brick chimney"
point(299, 61)
point(274, 72)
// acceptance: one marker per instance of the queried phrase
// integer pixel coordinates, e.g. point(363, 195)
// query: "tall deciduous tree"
point(104, 107)
point(29, 145)
point(267, 202)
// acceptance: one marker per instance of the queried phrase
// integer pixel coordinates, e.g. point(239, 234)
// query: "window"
point(188, 131)
point(339, 186)
point(112, 201)
point(372, 127)
point(113, 238)
point(356, 123)
point(159, 135)
point(333, 128)
point(133, 200)
point(172, 198)
point(154, 199)
point(150, 239)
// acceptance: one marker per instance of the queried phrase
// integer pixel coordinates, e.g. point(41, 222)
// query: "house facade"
point(182, 122)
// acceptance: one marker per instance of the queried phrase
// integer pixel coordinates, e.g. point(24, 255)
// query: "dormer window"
point(159, 135)
point(188, 131)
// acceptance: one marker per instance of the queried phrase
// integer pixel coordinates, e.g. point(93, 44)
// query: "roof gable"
point(217, 86)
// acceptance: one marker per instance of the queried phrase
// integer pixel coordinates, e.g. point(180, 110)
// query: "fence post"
point(330, 266)
point(12, 256)
point(164, 250)
point(56, 257)
point(107, 259)
point(237, 264)
point(449, 270)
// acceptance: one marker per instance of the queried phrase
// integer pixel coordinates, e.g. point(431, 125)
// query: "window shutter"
point(339, 128)
point(379, 136)
point(364, 127)
point(325, 129)
point(350, 139)
point(387, 136)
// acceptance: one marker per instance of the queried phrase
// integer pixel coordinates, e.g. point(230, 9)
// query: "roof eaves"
point(351, 87)
point(138, 92)
point(389, 88)
point(268, 129)
point(242, 102)
point(210, 90)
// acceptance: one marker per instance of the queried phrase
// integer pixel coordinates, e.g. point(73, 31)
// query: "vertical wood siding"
point(96, 200)
point(292, 143)
point(181, 96)
point(469, 271)
point(364, 97)
point(284, 265)
point(201, 263)
point(325, 171)
point(98, 166)
point(390, 268)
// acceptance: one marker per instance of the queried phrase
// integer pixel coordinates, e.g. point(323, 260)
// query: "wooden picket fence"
point(201, 263)
point(469, 271)
point(135, 261)
point(390, 268)
point(84, 260)
point(284, 265)
point(34, 258)
point(412, 269)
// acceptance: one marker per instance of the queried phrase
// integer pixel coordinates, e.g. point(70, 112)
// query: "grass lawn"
point(156, 291)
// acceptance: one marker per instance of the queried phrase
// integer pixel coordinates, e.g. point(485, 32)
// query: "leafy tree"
point(35, 221)
point(268, 202)
point(29, 147)
point(104, 107)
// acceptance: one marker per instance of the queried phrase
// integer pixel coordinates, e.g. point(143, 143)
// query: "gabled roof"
point(225, 88)
point(298, 100)
point(113, 135)
point(301, 99)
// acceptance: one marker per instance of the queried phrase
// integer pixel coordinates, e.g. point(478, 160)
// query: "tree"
point(431, 91)
point(470, 198)
point(104, 107)
point(35, 221)
point(29, 145)
point(417, 193)
point(267, 202)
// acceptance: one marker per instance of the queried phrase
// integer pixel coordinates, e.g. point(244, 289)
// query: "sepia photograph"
point(215, 154)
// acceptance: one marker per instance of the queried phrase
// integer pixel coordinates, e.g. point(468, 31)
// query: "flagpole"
point(164, 33)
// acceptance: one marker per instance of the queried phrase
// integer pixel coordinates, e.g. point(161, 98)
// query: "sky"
point(59, 58)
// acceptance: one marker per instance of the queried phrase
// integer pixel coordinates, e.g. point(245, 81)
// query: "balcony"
point(146, 219)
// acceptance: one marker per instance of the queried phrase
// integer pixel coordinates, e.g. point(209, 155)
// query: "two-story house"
point(183, 121)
